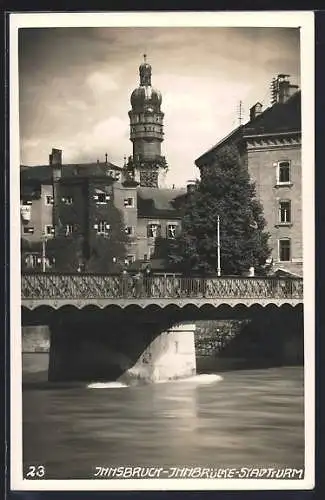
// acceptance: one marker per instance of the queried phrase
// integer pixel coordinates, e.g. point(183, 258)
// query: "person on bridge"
point(147, 273)
point(137, 285)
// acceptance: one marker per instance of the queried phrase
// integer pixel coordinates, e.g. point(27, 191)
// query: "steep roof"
point(279, 118)
point(157, 201)
point(284, 117)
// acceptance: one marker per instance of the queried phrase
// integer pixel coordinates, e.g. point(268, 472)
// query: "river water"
point(235, 419)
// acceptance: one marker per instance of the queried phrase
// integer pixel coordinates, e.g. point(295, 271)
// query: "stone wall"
point(35, 339)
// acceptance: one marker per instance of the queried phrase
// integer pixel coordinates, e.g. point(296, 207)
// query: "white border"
point(304, 20)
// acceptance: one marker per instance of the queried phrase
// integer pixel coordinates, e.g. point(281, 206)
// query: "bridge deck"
point(80, 290)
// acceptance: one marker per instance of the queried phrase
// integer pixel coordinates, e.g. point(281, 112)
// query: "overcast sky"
point(75, 86)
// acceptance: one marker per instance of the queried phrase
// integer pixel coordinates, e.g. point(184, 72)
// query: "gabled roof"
point(157, 201)
point(279, 118)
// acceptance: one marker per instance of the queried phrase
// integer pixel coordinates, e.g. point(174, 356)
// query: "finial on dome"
point(145, 72)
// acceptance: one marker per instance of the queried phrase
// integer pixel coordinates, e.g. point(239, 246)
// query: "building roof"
point(156, 201)
point(43, 173)
point(279, 118)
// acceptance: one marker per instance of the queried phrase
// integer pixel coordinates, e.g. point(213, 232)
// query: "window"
point(171, 230)
point(129, 230)
point(48, 200)
point(26, 211)
point(101, 198)
point(283, 172)
point(130, 259)
point(285, 212)
point(153, 230)
point(284, 250)
point(68, 229)
point(31, 260)
point(129, 202)
point(102, 227)
point(67, 200)
point(49, 230)
point(28, 230)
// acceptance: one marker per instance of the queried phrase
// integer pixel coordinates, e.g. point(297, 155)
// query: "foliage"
point(225, 190)
point(95, 253)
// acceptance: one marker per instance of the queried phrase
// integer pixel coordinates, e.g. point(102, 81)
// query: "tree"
point(225, 190)
point(107, 253)
point(96, 253)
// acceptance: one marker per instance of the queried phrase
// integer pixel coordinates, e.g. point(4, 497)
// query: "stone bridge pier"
point(126, 351)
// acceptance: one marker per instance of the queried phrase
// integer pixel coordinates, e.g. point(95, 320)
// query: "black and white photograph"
point(162, 258)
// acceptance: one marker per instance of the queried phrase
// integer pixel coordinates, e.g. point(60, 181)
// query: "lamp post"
point(44, 253)
point(218, 247)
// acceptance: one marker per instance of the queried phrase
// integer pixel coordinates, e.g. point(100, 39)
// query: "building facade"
point(270, 146)
point(71, 200)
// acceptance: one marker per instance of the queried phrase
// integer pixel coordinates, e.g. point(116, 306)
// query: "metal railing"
point(96, 286)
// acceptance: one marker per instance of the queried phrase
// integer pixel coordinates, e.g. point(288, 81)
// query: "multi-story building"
point(82, 199)
point(270, 145)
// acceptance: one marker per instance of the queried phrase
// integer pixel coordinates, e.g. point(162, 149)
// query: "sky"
point(75, 86)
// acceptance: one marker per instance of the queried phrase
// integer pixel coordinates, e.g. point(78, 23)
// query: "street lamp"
point(44, 240)
point(218, 247)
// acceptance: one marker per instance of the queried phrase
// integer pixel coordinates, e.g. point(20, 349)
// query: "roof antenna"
point(145, 57)
point(106, 158)
point(240, 113)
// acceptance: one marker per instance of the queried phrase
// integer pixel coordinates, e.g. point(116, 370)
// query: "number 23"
point(36, 471)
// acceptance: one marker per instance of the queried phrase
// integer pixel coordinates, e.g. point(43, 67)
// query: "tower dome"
point(145, 97)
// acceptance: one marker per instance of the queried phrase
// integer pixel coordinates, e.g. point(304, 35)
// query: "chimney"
point(191, 186)
point(55, 161)
point(56, 157)
point(255, 111)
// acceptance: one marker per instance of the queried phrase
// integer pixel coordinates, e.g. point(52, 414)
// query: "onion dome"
point(145, 97)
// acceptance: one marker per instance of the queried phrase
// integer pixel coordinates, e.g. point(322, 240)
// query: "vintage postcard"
point(162, 251)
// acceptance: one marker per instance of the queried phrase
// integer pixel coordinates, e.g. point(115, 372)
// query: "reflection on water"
point(240, 419)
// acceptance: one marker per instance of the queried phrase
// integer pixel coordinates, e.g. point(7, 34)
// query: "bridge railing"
point(82, 286)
